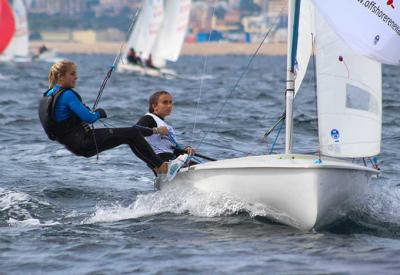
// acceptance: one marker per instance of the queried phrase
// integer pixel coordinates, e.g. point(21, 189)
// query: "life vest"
point(53, 128)
point(160, 143)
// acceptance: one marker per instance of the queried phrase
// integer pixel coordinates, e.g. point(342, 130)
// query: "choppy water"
point(68, 215)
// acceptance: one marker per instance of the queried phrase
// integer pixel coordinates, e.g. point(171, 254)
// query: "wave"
point(6, 77)
point(20, 209)
point(378, 213)
point(178, 200)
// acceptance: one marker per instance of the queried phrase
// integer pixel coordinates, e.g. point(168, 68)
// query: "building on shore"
point(62, 7)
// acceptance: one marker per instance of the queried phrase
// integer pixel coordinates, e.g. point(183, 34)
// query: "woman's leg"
point(90, 143)
point(108, 138)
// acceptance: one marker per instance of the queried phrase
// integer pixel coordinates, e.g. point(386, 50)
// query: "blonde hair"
point(58, 70)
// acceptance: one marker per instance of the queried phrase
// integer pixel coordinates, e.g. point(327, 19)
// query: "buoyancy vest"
point(57, 129)
point(160, 143)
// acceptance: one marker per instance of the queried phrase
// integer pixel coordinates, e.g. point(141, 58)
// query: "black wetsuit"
point(80, 139)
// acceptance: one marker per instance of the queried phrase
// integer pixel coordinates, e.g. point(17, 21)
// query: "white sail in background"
point(349, 91)
point(304, 49)
point(19, 45)
point(370, 28)
point(170, 39)
point(146, 28)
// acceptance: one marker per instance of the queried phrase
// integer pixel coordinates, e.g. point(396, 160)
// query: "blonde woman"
point(66, 119)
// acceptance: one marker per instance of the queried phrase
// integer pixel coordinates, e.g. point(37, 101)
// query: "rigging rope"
point(276, 138)
point(201, 84)
point(240, 77)
point(109, 73)
point(116, 60)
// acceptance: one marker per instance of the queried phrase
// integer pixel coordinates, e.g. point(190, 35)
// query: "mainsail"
point(146, 28)
point(172, 33)
point(370, 28)
point(349, 89)
point(7, 25)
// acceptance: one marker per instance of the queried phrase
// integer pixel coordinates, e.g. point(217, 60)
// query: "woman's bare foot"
point(163, 169)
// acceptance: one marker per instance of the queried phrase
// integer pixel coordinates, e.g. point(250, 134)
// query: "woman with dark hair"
point(162, 142)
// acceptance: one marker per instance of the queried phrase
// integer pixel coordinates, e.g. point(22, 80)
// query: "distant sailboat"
point(158, 34)
point(17, 49)
point(311, 191)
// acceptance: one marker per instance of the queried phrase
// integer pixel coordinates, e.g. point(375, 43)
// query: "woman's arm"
point(147, 122)
point(77, 107)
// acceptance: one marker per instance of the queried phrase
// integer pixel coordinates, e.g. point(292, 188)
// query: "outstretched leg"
point(98, 140)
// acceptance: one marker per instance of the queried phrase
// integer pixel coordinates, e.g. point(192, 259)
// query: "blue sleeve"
point(79, 109)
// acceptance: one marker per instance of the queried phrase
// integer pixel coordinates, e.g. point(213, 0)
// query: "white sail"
point(370, 28)
point(19, 45)
point(349, 90)
point(146, 28)
point(170, 39)
point(304, 49)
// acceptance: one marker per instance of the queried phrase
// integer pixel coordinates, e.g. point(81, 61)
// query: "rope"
point(276, 138)
point(116, 60)
point(201, 83)
point(240, 78)
point(105, 80)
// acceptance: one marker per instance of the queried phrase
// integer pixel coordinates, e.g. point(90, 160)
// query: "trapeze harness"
point(159, 143)
point(56, 130)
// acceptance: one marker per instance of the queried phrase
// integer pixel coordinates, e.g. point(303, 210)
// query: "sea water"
point(64, 214)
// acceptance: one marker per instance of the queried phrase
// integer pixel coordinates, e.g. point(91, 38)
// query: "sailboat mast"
point(293, 23)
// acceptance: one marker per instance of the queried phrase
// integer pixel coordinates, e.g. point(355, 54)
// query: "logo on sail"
point(335, 135)
point(390, 3)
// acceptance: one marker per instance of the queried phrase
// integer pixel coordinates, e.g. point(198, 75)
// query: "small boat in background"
point(156, 38)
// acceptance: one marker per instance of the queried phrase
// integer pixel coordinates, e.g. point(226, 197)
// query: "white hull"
point(300, 191)
point(141, 70)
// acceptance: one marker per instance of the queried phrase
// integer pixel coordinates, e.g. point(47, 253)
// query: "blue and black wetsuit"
point(71, 118)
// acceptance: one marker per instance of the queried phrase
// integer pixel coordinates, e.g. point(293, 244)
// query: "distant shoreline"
point(218, 48)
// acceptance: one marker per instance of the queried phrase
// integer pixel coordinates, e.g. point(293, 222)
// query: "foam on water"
point(5, 77)
point(18, 209)
point(383, 203)
point(180, 199)
point(42, 182)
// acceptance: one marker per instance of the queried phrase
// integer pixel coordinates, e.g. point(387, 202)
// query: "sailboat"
point(158, 33)
point(313, 191)
point(16, 48)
